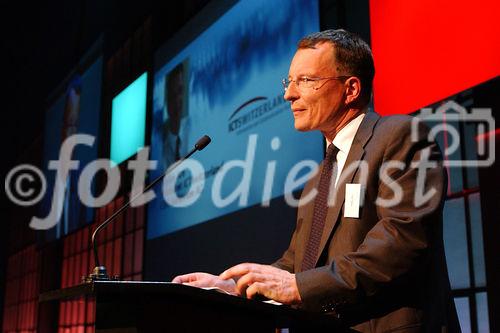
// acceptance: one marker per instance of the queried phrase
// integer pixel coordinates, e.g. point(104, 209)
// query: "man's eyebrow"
point(301, 75)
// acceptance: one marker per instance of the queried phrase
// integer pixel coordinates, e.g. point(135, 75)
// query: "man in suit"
point(379, 264)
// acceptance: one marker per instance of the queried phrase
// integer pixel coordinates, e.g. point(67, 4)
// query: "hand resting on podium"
point(252, 280)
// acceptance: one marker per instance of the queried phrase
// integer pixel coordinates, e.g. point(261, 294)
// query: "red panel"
point(84, 264)
point(67, 313)
point(138, 249)
point(12, 315)
point(9, 292)
point(71, 270)
point(139, 217)
point(117, 256)
point(34, 305)
point(74, 313)
point(109, 254)
point(37, 285)
point(34, 285)
point(119, 225)
point(99, 215)
point(27, 316)
point(72, 244)
point(16, 294)
point(85, 238)
point(128, 254)
point(65, 248)
point(90, 311)
point(119, 219)
point(101, 237)
point(81, 311)
point(29, 286)
point(76, 271)
point(427, 50)
point(24, 315)
point(129, 220)
point(101, 212)
point(31, 315)
point(27, 261)
point(110, 227)
point(22, 289)
point(26, 286)
point(94, 225)
point(26, 319)
point(119, 201)
point(64, 272)
point(21, 316)
point(100, 251)
point(79, 235)
point(62, 313)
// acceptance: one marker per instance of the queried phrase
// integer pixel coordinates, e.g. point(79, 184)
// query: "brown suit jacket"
point(386, 270)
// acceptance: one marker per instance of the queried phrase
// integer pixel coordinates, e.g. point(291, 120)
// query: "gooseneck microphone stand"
point(100, 272)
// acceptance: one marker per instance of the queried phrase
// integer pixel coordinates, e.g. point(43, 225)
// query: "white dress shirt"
point(343, 141)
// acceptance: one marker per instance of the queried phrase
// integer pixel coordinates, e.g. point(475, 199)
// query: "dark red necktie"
point(327, 178)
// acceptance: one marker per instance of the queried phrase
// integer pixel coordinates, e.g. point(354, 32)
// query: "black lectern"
point(144, 307)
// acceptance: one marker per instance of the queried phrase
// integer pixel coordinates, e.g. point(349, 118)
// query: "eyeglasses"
point(310, 82)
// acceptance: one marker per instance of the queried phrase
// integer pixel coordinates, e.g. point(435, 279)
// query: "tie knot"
point(331, 152)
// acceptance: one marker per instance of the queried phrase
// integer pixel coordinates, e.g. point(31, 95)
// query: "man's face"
point(175, 100)
point(321, 108)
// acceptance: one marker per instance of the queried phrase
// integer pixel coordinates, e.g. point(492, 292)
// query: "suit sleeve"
point(395, 245)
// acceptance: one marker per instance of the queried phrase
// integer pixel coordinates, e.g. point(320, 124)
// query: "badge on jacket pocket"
point(352, 201)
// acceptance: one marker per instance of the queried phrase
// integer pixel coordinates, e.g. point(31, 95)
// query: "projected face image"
point(319, 107)
point(71, 109)
point(175, 95)
point(71, 207)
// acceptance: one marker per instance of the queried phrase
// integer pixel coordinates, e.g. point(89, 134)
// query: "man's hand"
point(265, 280)
point(205, 280)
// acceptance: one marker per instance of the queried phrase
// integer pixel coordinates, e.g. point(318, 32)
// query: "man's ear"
point(353, 90)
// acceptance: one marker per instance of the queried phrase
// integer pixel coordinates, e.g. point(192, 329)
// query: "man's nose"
point(291, 92)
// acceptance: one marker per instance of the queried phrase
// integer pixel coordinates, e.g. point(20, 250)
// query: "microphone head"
point(202, 142)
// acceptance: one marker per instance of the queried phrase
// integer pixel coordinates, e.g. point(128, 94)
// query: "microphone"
point(202, 142)
point(100, 272)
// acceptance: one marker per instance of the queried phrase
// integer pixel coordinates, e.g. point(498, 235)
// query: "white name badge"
point(352, 200)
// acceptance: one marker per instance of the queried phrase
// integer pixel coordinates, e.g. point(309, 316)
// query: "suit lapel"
point(355, 155)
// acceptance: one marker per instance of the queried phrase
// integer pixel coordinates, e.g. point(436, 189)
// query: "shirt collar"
point(344, 138)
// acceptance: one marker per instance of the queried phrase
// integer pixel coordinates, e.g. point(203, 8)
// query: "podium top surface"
point(149, 292)
point(155, 290)
point(141, 291)
point(96, 288)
